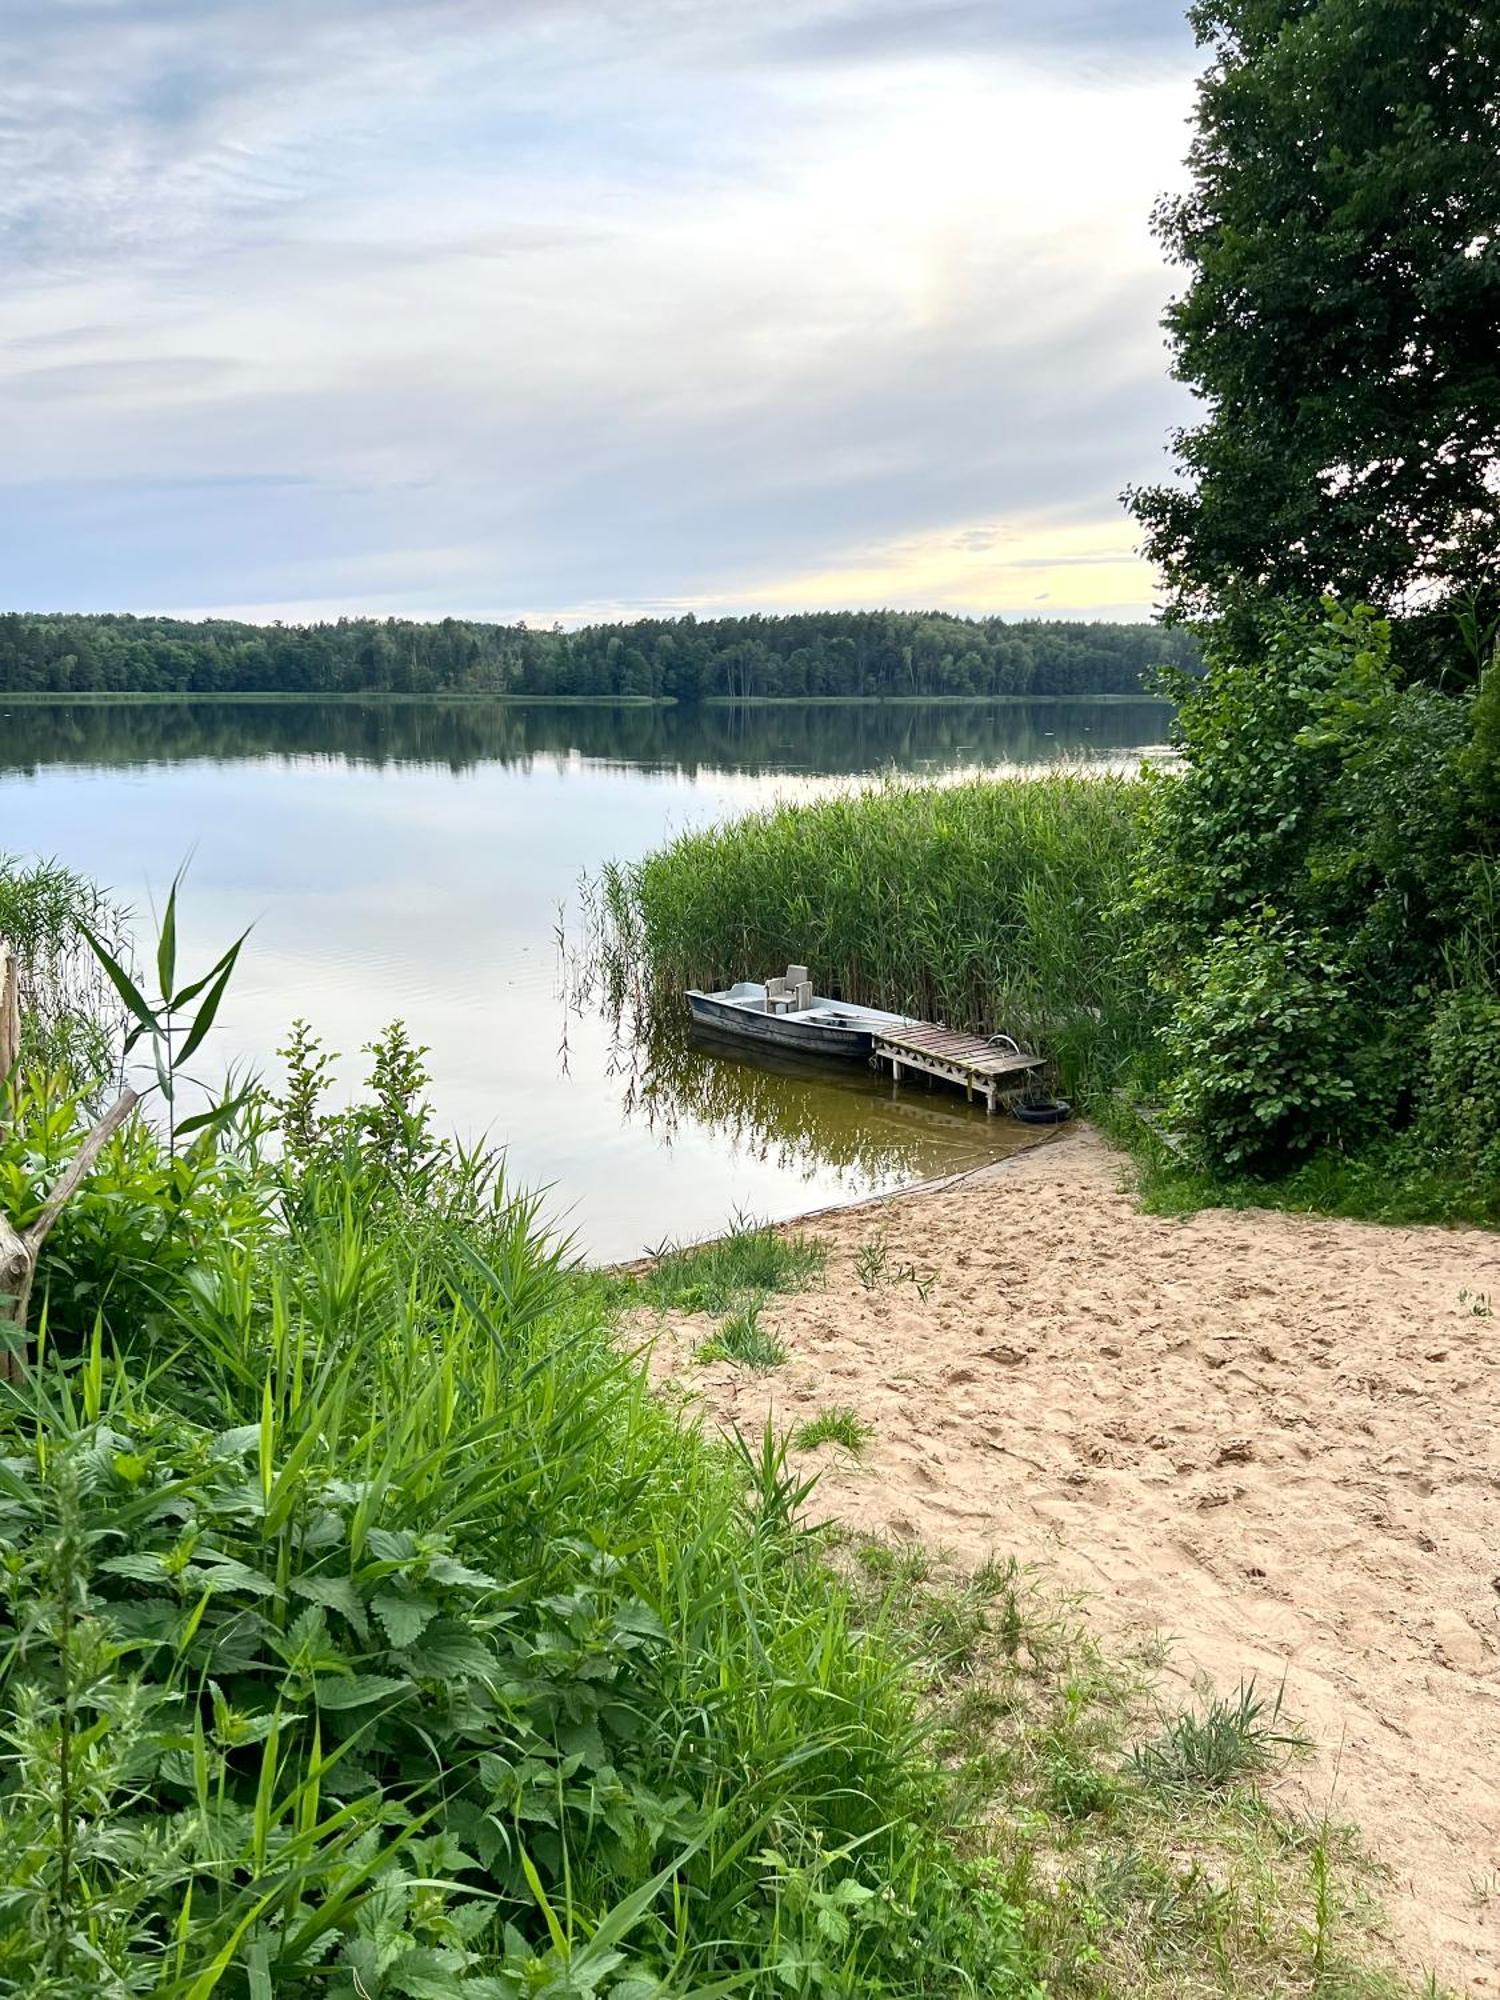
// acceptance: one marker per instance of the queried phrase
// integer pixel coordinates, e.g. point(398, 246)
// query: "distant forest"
point(812, 653)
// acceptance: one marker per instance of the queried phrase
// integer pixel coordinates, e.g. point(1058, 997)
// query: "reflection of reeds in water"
point(803, 1117)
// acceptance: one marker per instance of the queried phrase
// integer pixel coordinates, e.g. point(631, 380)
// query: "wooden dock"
point(995, 1069)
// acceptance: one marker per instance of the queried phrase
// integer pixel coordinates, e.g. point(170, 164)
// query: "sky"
point(582, 309)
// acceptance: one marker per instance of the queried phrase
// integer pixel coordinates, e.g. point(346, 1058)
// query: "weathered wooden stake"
point(20, 1249)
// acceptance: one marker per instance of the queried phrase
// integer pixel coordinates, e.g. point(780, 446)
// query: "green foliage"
point(1481, 759)
point(1342, 317)
point(143, 1223)
point(1459, 1110)
point(1305, 881)
point(818, 654)
point(1261, 1045)
point(368, 1630)
point(69, 1016)
point(742, 1339)
point(992, 905)
point(877, 1270)
point(715, 1277)
point(836, 1424)
point(1218, 1746)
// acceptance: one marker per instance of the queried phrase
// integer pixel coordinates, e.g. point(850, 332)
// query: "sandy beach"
point(1272, 1439)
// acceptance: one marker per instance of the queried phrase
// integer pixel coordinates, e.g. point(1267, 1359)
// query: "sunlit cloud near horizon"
point(573, 311)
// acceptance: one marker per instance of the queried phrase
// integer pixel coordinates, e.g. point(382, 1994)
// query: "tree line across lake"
point(830, 653)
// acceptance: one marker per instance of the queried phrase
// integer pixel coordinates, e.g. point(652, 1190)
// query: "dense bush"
point(367, 1629)
point(1460, 1104)
point(1260, 1045)
point(1311, 882)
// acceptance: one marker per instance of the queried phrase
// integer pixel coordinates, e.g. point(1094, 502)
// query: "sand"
point(1271, 1438)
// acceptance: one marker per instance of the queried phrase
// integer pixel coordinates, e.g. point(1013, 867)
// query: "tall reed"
point(993, 905)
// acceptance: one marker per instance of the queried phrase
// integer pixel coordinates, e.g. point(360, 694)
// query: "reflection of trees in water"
point(799, 1115)
point(461, 736)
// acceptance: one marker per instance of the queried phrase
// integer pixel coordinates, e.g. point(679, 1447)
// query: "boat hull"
point(782, 1031)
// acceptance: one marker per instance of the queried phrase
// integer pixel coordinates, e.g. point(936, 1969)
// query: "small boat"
point(789, 1015)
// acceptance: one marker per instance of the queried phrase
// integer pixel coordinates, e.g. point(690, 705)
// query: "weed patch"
point(1147, 1859)
point(1217, 1745)
point(839, 1425)
point(742, 1339)
point(717, 1277)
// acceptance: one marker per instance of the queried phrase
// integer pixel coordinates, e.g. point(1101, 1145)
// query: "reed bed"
point(996, 906)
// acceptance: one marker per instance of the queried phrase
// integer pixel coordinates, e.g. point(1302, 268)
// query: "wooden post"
point(20, 1249)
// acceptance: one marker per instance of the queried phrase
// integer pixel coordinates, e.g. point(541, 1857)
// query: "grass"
point(876, 1271)
point(992, 905)
point(70, 1014)
point(719, 1276)
point(1216, 1746)
point(1394, 1181)
point(742, 1339)
point(837, 1424)
point(1160, 1890)
point(359, 1464)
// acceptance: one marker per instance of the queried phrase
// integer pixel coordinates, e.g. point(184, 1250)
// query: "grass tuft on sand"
point(1147, 1847)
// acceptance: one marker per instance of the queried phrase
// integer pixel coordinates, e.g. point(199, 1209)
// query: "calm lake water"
point(410, 859)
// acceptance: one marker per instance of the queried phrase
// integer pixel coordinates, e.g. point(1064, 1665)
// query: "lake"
point(415, 858)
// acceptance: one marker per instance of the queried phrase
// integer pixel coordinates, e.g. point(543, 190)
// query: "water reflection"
point(837, 740)
point(409, 859)
point(804, 1117)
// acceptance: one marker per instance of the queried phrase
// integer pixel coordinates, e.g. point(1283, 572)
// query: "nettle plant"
point(254, 1725)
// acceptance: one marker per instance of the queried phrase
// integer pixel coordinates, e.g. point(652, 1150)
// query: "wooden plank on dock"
point(966, 1060)
point(921, 1038)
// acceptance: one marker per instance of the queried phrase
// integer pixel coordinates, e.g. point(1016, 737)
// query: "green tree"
point(1341, 323)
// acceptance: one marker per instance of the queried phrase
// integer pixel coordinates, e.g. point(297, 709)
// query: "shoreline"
point(1268, 1437)
point(300, 697)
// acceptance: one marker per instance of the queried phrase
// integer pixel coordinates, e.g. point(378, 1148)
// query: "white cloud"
point(458, 308)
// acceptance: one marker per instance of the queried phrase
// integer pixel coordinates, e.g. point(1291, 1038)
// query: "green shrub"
point(1459, 1112)
point(1308, 877)
point(1260, 1045)
point(368, 1629)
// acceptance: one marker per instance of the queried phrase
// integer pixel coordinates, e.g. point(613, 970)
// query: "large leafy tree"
point(1342, 319)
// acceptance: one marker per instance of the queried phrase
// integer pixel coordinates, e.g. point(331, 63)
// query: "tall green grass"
point(993, 905)
point(368, 1629)
point(70, 1014)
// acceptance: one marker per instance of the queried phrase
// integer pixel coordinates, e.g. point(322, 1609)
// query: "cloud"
point(455, 307)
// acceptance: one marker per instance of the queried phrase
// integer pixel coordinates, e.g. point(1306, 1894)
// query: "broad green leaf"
point(123, 984)
point(404, 1618)
point(359, 1690)
point(203, 1020)
point(335, 1593)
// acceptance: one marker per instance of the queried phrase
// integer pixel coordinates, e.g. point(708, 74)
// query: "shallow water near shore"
point(414, 859)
